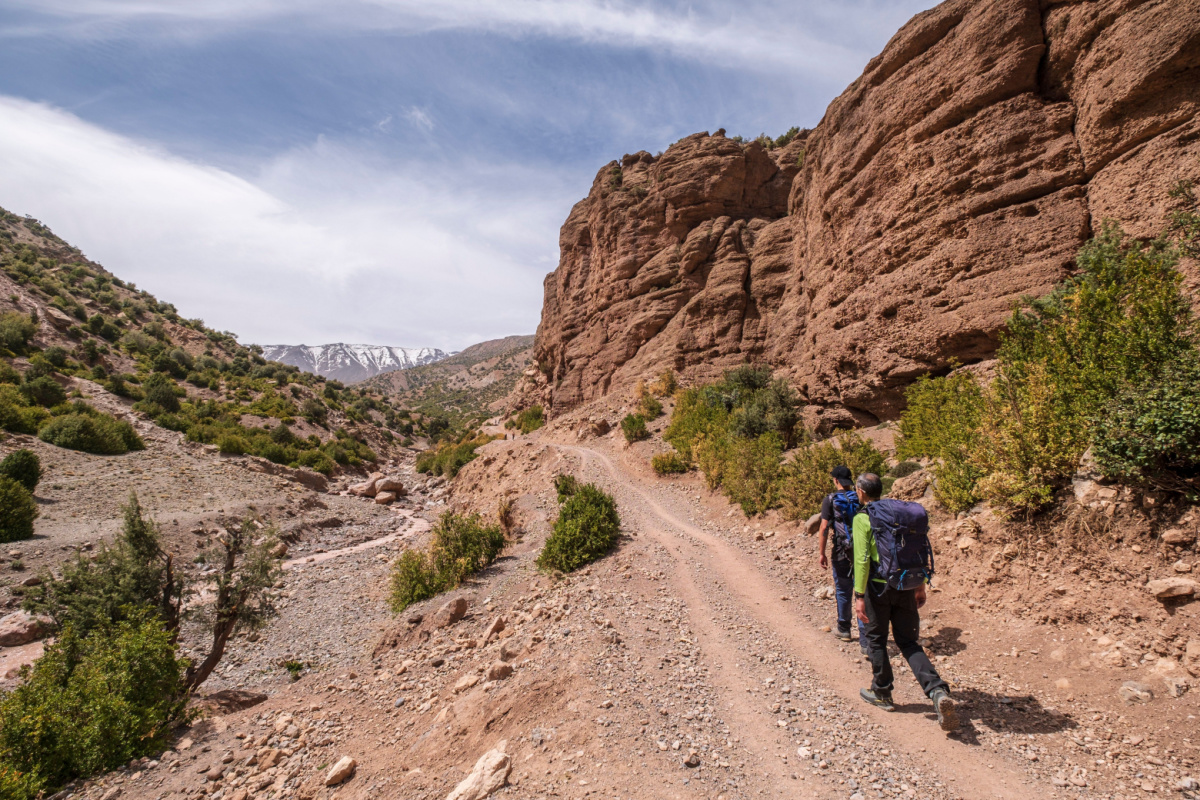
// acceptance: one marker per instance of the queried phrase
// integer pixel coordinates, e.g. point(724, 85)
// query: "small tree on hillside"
point(247, 571)
point(136, 573)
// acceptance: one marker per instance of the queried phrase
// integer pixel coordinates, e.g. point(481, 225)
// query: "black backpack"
point(901, 531)
point(845, 505)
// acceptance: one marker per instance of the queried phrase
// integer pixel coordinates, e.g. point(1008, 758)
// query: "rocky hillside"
point(962, 170)
point(466, 387)
point(104, 340)
point(351, 363)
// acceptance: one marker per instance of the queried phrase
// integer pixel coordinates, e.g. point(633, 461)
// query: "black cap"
point(841, 473)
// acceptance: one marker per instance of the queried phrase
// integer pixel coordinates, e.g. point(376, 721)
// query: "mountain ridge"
point(351, 363)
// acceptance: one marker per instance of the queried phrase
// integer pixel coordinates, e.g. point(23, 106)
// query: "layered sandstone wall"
point(963, 169)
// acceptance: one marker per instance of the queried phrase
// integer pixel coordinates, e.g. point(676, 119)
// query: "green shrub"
point(634, 428)
point(586, 529)
point(649, 407)
point(666, 385)
point(16, 414)
point(566, 486)
point(98, 589)
point(17, 511)
point(1150, 434)
point(44, 391)
point(669, 463)
point(805, 480)
point(8, 374)
point(93, 432)
point(750, 474)
point(16, 331)
point(528, 420)
point(413, 580)
point(462, 545)
point(93, 703)
point(160, 390)
point(904, 469)
point(233, 445)
point(18, 785)
point(24, 467)
point(698, 412)
point(317, 461)
point(450, 457)
point(941, 422)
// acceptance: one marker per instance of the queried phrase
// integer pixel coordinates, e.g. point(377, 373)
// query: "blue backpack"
point(901, 531)
point(845, 506)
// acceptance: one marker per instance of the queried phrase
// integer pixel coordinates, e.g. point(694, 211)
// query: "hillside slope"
point(465, 388)
point(963, 170)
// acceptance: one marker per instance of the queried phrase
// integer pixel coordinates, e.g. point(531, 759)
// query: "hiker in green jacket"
point(879, 606)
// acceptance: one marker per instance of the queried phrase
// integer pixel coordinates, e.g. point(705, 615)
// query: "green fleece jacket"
point(865, 551)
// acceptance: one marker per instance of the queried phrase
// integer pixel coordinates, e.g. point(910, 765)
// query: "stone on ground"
point(342, 770)
point(490, 774)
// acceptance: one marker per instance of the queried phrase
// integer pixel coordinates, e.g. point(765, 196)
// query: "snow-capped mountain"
point(350, 363)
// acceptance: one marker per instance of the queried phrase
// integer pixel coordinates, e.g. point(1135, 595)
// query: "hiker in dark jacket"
point(843, 558)
point(878, 606)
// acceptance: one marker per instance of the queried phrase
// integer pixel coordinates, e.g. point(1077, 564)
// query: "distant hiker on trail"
point(893, 561)
point(837, 511)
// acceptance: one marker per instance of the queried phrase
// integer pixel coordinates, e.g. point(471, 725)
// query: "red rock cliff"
point(963, 169)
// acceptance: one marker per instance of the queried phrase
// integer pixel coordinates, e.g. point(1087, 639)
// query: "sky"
point(379, 171)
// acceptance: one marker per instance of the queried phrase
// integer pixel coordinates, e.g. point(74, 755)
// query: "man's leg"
point(843, 587)
point(906, 626)
point(878, 617)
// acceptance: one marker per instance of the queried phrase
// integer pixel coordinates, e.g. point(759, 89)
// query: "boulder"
point(813, 524)
point(279, 550)
point(499, 671)
point(385, 498)
point(1191, 657)
point(466, 682)
point(340, 771)
point(450, 613)
point(364, 489)
point(510, 650)
point(390, 484)
point(489, 775)
point(1177, 537)
point(910, 487)
point(21, 627)
point(1165, 588)
point(1133, 692)
point(492, 630)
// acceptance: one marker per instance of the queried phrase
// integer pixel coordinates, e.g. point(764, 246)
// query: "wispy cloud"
point(765, 35)
point(303, 252)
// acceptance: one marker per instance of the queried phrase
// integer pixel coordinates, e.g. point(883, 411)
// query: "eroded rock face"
point(964, 169)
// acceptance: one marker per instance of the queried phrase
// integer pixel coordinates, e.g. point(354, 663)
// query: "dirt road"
point(734, 606)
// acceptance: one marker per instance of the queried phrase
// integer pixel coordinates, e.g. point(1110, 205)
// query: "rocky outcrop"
point(962, 170)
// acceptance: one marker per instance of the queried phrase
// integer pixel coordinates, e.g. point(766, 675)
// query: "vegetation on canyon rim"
point(1107, 361)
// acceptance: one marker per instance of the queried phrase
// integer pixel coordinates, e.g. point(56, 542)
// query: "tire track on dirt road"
point(703, 558)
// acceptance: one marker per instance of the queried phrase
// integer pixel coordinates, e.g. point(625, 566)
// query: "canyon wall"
point(962, 170)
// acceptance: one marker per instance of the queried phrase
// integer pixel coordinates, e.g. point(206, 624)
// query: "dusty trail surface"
point(726, 596)
point(694, 661)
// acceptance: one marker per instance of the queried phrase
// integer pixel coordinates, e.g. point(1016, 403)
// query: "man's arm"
point(824, 534)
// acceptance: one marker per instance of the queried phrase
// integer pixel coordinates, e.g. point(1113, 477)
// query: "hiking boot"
point(843, 636)
point(947, 713)
point(878, 699)
point(864, 649)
